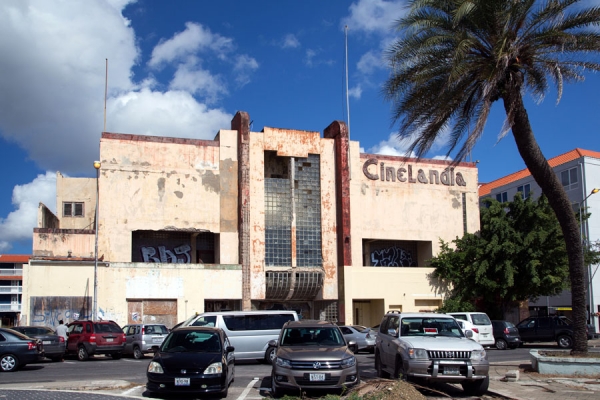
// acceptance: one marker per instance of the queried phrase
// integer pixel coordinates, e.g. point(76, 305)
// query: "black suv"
point(547, 329)
point(87, 338)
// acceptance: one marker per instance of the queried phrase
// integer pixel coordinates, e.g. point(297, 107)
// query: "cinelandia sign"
point(405, 174)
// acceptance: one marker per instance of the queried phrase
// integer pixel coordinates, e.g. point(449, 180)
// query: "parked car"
point(195, 359)
point(87, 338)
point(432, 347)
point(312, 355)
point(547, 329)
point(361, 335)
point(54, 345)
point(506, 335)
point(140, 338)
point(467, 326)
point(18, 350)
point(483, 324)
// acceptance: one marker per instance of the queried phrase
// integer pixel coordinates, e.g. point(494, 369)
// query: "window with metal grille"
point(73, 209)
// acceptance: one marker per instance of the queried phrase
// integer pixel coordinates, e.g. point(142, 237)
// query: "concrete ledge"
point(566, 366)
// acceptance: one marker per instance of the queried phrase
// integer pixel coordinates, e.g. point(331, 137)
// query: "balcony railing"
point(10, 307)
point(11, 289)
point(11, 271)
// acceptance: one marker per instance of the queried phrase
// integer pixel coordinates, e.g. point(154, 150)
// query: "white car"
point(361, 335)
point(482, 322)
point(467, 326)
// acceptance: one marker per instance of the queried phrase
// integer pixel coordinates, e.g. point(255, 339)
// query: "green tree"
point(518, 254)
point(454, 58)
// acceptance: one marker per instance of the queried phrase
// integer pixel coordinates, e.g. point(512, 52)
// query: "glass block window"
point(278, 222)
point(307, 198)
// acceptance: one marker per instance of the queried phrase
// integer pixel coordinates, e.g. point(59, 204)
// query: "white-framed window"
point(569, 179)
point(502, 197)
point(525, 190)
point(72, 209)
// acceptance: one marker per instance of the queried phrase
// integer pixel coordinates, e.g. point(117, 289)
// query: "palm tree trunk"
point(548, 181)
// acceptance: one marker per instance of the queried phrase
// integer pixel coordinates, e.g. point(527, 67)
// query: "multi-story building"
point(11, 288)
point(579, 172)
point(280, 218)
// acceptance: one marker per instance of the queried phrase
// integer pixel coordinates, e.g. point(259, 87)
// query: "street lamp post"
point(583, 246)
point(95, 306)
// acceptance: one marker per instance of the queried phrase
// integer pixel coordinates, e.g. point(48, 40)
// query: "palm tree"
point(454, 58)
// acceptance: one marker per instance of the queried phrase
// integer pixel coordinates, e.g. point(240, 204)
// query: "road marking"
point(247, 390)
point(126, 393)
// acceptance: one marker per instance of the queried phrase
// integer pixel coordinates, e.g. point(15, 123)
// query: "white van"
point(248, 331)
point(482, 323)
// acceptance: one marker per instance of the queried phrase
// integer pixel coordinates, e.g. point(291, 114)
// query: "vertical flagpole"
point(105, 93)
point(347, 102)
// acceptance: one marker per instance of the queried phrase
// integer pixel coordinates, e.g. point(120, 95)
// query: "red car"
point(87, 338)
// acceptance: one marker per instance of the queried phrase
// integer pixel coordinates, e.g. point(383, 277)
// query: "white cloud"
point(193, 39)
point(394, 146)
point(244, 67)
point(191, 77)
point(355, 92)
point(290, 41)
point(19, 224)
point(370, 62)
point(374, 16)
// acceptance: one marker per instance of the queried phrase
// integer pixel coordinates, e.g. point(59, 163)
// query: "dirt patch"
point(384, 389)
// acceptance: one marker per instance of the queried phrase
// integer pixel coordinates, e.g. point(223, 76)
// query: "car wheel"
point(399, 370)
point(564, 341)
point(275, 391)
point(137, 353)
point(82, 354)
point(501, 344)
point(380, 372)
point(225, 392)
point(9, 363)
point(476, 388)
point(270, 355)
point(116, 356)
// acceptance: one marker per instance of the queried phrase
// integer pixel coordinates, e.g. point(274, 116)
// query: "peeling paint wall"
point(59, 243)
point(167, 184)
point(122, 282)
point(80, 190)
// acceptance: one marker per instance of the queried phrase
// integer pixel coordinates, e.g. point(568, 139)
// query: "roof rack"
point(394, 312)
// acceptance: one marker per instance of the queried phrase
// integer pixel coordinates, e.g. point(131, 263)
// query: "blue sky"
point(184, 68)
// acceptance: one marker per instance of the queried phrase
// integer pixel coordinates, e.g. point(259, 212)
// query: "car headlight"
point(348, 362)
point(478, 355)
point(155, 368)
point(282, 362)
point(214, 368)
point(418, 353)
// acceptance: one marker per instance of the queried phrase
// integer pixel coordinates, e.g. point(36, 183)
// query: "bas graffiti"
point(392, 257)
point(447, 177)
point(47, 311)
point(179, 255)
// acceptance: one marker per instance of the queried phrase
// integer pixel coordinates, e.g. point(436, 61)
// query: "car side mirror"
point(353, 346)
point(272, 343)
point(469, 334)
point(229, 349)
point(393, 332)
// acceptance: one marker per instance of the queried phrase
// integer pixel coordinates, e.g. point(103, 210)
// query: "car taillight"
point(142, 330)
point(93, 338)
point(31, 346)
point(61, 339)
point(476, 330)
point(506, 331)
point(124, 338)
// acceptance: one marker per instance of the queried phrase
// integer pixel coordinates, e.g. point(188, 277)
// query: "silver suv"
point(432, 347)
point(140, 338)
point(312, 355)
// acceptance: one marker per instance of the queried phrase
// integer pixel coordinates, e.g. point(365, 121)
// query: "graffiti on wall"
point(392, 257)
point(47, 311)
point(179, 255)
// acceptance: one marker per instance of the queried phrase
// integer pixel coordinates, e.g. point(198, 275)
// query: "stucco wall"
point(119, 282)
point(76, 190)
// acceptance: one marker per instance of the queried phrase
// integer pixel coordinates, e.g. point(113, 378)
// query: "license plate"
point(157, 340)
point(182, 381)
point(316, 377)
point(451, 370)
point(46, 342)
point(109, 339)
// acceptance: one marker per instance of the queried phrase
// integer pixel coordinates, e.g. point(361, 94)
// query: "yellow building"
point(280, 218)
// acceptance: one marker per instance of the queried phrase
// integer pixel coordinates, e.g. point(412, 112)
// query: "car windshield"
point(37, 331)
point(107, 328)
point(180, 341)
point(429, 327)
point(481, 319)
point(312, 337)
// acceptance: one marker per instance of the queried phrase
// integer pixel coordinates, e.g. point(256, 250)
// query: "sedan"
point(363, 336)
point(194, 360)
point(54, 345)
point(17, 350)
